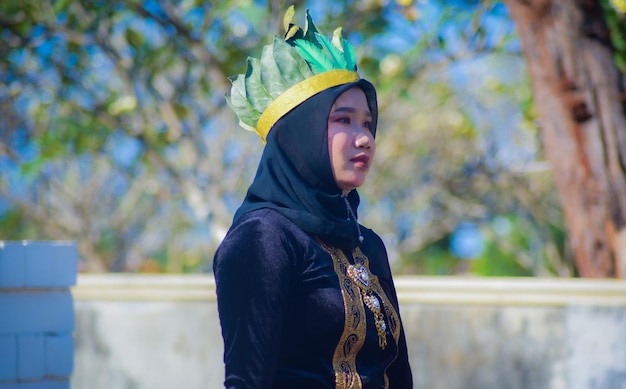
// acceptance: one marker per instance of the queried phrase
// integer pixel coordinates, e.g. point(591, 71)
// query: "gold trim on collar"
point(299, 93)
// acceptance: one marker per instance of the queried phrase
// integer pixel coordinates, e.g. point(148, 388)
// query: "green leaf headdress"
point(291, 70)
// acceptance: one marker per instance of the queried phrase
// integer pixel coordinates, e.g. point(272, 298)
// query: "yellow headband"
point(299, 93)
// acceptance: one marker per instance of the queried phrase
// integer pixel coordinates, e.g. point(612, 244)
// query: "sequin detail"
point(361, 277)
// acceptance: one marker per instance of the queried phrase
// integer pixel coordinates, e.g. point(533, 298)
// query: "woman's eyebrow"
point(350, 110)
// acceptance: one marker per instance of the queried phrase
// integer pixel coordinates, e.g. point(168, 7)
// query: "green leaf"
point(346, 48)
point(310, 29)
point(619, 43)
point(258, 96)
point(181, 110)
point(316, 58)
point(349, 54)
point(288, 18)
point(60, 5)
point(30, 170)
point(337, 38)
point(237, 100)
point(292, 66)
point(246, 126)
point(270, 73)
point(294, 32)
point(335, 54)
point(134, 38)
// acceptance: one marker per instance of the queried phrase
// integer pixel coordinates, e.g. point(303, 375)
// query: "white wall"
point(141, 331)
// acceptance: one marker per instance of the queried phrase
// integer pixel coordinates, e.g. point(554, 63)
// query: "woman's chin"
point(351, 183)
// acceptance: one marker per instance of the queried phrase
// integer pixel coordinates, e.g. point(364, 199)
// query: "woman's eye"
point(368, 125)
point(344, 120)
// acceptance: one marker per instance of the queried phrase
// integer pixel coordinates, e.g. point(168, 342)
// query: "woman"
point(305, 294)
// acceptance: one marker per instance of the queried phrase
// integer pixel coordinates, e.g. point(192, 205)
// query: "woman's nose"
point(364, 140)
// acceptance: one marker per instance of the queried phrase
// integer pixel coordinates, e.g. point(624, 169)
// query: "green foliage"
point(114, 130)
point(250, 96)
point(14, 227)
point(616, 21)
point(317, 59)
point(512, 249)
point(271, 76)
point(497, 263)
point(238, 101)
point(255, 90)
point(99, 99)
point(505, 250)
point(335, 53)
point(434, 259)
point(291, 65)
point(346, 48)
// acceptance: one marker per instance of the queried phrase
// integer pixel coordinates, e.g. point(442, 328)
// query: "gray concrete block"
point(50, 264)
point(31, 360)
point(597, 347)
point(8, 356)
point(36, 312)
point(12, 264)
point(38, 384)
point(59, 355)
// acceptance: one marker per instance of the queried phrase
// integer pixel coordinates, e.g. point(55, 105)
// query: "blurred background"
point(114, 131)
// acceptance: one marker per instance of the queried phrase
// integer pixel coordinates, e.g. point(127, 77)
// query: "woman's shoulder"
point(265, 220)
point(264, 225)
point(262, 233)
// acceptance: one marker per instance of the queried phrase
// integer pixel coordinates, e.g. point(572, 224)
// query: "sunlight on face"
point(351, 145)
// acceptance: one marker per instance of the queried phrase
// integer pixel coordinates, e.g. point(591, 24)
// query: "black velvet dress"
point(302, 303)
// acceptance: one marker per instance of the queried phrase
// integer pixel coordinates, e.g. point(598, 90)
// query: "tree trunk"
point(576, 89)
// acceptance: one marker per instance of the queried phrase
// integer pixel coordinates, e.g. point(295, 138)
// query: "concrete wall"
point(479, 333)
point(516, 333)
point(146, 332)
point(36, 314)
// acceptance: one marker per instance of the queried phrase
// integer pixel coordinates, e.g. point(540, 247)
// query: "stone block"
point(12, 264)
point(39, 384)
point(59, 355)
point(31, 361)
point(50, 264)
point(8, 358)
point(597, 347)
point(36, 312)
point(66, 254)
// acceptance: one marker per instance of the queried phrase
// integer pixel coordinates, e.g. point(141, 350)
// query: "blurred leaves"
point(616, 21)
point(99, 99)
point(114, 129)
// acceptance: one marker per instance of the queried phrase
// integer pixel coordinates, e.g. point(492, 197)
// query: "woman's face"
point(351, 144)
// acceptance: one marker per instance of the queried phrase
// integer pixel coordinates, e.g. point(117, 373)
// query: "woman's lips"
point(361, 160)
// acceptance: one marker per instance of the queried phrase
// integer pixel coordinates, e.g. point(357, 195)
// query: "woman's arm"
point(253, 271)
point(399, 373)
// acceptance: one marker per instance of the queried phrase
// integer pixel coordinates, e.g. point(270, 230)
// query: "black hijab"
point(295, 177)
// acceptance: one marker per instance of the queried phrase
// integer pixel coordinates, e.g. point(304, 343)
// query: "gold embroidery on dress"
point(353, 337)
point(360, 275)
point(392, 316)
